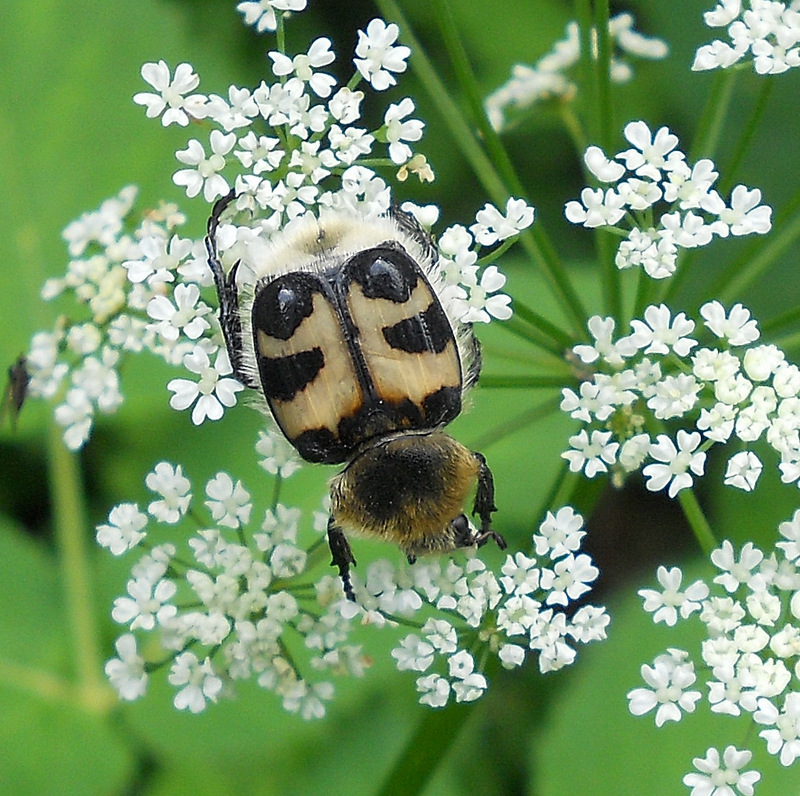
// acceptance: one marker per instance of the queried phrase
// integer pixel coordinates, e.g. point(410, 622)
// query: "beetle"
point(345, 334)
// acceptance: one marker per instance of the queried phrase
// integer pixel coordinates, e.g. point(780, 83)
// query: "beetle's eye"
point(385, 275)
point(281, 306)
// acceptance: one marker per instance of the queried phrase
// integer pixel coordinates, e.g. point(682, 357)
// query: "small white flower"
point(664, 605)
point(675, 462)
point(591, 454)
point(147, 604)
point(520, 574)
point(170, 99)
point(674, 396)
point(413, 654)
point(467, 684)
point(560, 533)
point(634, 451)
point(648, 157)
point(511, 656)
point(205, 170)
point(568, 579)
point(280, 456)
point(76, 415)
point(743, 471)
point(491, 226)
point(127, 672)
point(745, 216)
point(735, 573)
point(229, 502)
point(783, 735)
point(442, 635)
point(736, 327)
point(398, 129)
point(721, 615)
point(212, 392)
point(482, 306)
point(668, 679)
point(602, 330)
point(303, 66)
point(345, 105)
point(199, 682)
point(659, 332)
point(175, 491)
point(435, 690)
point(185, 316)
point(597, 208)
point(377, 56)
point(125, 528)
point(720, 777)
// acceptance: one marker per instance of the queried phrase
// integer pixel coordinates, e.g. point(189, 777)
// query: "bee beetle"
point(344, 335)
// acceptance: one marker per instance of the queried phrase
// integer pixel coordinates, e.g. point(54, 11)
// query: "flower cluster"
point(547, 79)
point(139, 286)
point(750, 660)
point(765, 30)
point(238, 604)
point(665, 203)
point(728, 390)
point(284, 154)
point(527, 605)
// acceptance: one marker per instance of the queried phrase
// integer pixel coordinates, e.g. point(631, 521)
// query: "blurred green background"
point(70, 136)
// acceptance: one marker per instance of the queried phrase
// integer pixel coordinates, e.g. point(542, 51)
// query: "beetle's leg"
point(342, 557)
point(228, 295)
point(484, 505)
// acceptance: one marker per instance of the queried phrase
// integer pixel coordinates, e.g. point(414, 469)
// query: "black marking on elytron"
point(442, 406)
point(384, 272)
point(402, 476)
point(378, 419)
point(427, 331)
point(283, 377)
point(319, 445)
point(372, 420)
point(281, 305)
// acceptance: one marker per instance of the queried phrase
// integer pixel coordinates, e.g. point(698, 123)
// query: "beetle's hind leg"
point(342, 557)
point(484, 505)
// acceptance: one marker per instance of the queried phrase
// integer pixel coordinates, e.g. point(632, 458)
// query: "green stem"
point(70, 523)
point(518, 327)
point(713, 116)
point(746, 137)
point(560, 493)
point(498, 178)
point(697, 520)
point(514, 424)
point(527, 382)
point(425, 750)
point(595, 68)
point(543, 326)
point(645, 290)
point(789, 343)
point(602, 73)
point(774, 326)
point(583, 14)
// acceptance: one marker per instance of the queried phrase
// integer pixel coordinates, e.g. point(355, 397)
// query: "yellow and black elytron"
point(344, 335)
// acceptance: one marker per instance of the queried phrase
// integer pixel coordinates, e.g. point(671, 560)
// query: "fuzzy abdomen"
point(407, 489)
